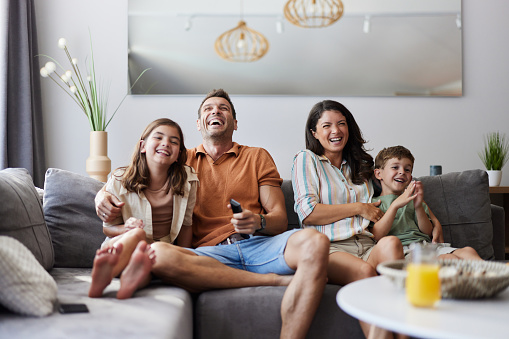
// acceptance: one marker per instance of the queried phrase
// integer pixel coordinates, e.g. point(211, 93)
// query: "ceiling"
point(413, 47)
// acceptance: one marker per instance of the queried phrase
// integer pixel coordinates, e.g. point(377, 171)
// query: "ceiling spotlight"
point(458, 21)
point(189, 23)
point(280, 28)
point(367, 24)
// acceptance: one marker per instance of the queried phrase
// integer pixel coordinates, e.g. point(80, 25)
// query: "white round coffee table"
point(378, 301)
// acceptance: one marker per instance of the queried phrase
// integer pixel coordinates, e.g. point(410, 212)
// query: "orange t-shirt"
point(237, 174)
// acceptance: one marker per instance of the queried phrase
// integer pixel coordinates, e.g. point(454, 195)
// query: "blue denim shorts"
point(259, 254)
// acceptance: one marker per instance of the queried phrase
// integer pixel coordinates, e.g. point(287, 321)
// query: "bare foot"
point(104, 261)
point(137, 272)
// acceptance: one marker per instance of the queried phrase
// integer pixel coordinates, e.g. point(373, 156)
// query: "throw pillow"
point(69, 209)
point(25, 286)
point(22, 216)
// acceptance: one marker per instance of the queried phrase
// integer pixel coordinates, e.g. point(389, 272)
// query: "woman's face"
point(332, 133)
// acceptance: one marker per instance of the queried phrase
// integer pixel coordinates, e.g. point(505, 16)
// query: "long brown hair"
point(136, 176)
point(354, 152)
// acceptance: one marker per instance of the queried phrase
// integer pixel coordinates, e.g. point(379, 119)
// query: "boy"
point(406, 214)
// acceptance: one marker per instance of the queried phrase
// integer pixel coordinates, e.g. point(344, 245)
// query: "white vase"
point(494, 178)
point(98, 164)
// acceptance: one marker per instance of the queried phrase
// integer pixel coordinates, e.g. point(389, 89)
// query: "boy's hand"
point(419, 193)
point(410, 193)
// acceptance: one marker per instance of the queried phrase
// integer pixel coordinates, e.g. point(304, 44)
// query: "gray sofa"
point(64, 243)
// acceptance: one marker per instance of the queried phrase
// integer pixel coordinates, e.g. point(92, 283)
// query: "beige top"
point(138, 206)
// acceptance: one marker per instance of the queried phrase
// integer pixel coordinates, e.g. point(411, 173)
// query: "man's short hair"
point(218, 93)
point(388, 153)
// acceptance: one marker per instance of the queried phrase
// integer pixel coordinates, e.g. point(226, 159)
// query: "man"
point(247, 174)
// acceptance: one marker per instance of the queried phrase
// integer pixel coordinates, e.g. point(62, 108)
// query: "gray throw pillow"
point(461, 202)
point(22, 216)
point(69, 209)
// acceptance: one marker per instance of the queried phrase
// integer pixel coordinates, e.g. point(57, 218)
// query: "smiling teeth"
point(215, 121)
point(163, 152)
point(335, 139)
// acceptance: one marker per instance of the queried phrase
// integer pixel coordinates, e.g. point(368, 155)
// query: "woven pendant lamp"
point(241, 44)
point(313, 13)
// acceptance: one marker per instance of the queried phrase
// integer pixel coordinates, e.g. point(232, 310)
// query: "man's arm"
point(107, 206)
point(273, 202)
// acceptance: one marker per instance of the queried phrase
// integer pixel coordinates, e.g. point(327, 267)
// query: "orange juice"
point(422, 284)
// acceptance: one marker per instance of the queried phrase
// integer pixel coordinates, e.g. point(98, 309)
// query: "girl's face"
point(162, 146)
point(332, 133)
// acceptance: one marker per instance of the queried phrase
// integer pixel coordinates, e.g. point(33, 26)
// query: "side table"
point(378, 301)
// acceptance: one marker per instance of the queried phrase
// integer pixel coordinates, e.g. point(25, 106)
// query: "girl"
point(158, 194)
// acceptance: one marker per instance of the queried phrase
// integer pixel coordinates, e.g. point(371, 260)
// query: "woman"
point(332, 183)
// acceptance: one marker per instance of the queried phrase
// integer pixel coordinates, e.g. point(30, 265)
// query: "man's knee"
point(312, 245)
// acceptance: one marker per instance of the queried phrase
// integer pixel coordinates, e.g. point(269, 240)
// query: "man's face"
point(216, 119)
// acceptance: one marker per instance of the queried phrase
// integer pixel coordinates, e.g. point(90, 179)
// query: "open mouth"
point(163, 152)
point(400, 180)
point(215, 122)
point(335, 139)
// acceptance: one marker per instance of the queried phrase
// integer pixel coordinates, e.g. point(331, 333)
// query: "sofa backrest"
point(459, 200)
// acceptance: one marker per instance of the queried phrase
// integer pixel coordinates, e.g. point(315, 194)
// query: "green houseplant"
point(495, 155)
point(92, 99)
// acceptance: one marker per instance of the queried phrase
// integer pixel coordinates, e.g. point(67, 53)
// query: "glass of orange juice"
point(422, 281)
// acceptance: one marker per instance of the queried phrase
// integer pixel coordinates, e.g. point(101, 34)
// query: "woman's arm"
point(324, 214)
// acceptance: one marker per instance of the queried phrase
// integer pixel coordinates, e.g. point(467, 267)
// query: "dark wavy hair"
point(136, 176)
point(354, 152)
point(218, 93)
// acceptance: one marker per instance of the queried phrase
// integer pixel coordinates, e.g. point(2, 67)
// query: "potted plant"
point(92, 99)
point(494, 156)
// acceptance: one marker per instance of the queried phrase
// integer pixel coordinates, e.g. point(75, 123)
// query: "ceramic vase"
point(98, 164)
point(494, 178)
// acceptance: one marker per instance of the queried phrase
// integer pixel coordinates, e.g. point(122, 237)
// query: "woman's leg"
point(467, 253)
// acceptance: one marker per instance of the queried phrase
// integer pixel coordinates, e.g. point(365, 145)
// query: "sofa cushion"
point(25, 286)
point(461, 202)
point(22, 216)
point(69, 209)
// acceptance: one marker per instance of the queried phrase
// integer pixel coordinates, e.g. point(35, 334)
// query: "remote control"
point(236, 208)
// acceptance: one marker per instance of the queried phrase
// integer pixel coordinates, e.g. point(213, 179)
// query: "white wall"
point(445, 131)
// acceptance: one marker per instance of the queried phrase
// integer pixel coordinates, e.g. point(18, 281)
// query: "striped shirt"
point(316, 181)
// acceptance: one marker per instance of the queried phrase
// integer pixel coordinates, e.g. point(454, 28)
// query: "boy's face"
point(395, 175)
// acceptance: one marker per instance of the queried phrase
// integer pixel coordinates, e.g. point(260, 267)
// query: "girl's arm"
point(115, 230)
point(185, 237)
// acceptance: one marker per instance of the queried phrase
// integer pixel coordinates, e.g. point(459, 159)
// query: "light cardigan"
point(138, 206)
point(316, 181)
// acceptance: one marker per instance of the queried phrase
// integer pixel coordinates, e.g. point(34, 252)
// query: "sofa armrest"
point(498, 220)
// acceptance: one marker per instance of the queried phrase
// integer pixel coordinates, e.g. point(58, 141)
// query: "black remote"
point(236, 208)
